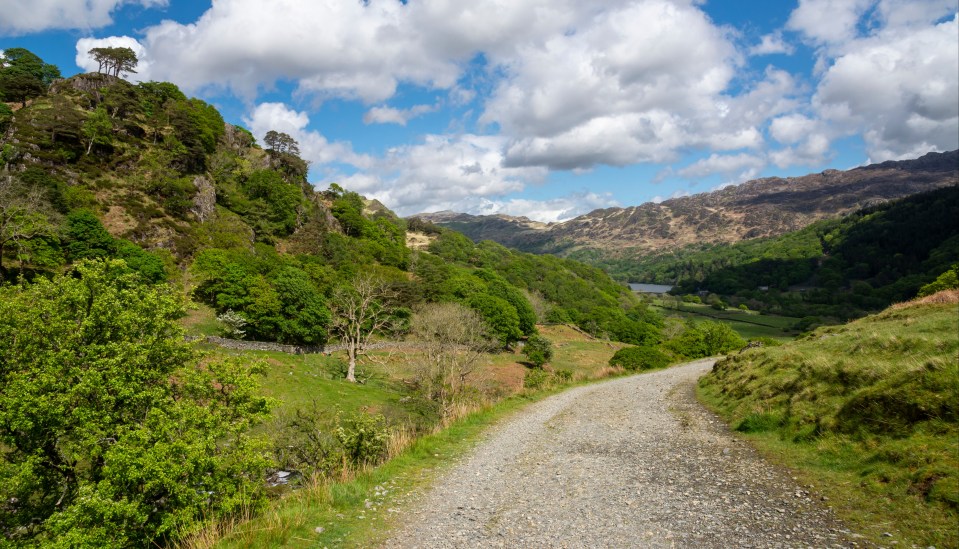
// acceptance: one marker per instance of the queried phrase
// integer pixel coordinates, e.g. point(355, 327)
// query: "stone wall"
point(241, 345)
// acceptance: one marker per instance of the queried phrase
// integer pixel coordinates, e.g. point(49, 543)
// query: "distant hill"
point(758, 208)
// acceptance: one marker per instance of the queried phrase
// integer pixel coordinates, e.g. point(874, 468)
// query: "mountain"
point(758, 208)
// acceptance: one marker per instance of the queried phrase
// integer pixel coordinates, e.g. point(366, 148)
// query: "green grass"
point(201, 320)
point(748, 324)
point(339, 509)
point(868, 412)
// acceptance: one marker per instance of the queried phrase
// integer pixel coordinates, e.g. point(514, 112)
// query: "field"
point(748, 324)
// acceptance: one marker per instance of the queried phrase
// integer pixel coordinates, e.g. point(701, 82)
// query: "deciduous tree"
point(113, 434)
point(360, 310)
point(453, 338)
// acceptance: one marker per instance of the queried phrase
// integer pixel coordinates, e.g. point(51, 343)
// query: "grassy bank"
point(866, 412)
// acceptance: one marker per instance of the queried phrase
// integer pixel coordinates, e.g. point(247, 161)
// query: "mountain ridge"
point(757, 208)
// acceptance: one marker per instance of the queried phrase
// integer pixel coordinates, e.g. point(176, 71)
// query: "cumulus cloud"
point(353, 50)
point(741, 166)
point(772, 43)
point(547, 211)
point(442, 172)
point(313, 145)
point(86, 62)
point(390, 115)
point(828, 21)
point(898, 88)
point(25, 16)
point(608, 94)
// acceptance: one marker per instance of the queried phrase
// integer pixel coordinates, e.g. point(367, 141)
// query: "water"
point(649, 288)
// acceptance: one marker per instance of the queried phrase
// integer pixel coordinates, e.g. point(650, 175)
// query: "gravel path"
point(633, 462)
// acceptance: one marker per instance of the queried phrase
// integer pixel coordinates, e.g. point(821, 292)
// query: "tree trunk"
point(351, 371)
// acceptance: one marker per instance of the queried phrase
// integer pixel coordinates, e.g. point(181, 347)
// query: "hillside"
point(104, 168)
point(869, 412)
point(758, 208)
point(841, 268)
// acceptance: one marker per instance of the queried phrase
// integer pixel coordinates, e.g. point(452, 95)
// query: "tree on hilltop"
point(115, 61)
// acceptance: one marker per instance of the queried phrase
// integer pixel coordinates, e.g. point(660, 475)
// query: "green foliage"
point(97, 129)
point(363, 437)
point(116, 60)
point(707, 338)
point(538, 350)
point(946, 281)
point(112, 434)
point(85, 237)
point(23, 75)
point(6, 116)
point(277, 203)
point(499, 315)
point(306, 445)
point(278, 299)
point(639, 359)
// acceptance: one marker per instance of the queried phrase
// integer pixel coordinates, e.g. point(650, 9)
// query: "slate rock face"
point(204, 201)
point(759, 208)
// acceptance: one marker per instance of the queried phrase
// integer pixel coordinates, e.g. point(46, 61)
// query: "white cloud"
point(547, 211)
point(898, 88)
point(442, 172)
point(314, 147)
point(390, 115)
point(85, 61)
point(828, 21)
point(772, 43)
point(355, 50)
point(25, 16)
point(609, 94)
point(743, 166)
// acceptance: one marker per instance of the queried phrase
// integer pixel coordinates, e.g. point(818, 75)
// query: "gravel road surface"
point(633, 462)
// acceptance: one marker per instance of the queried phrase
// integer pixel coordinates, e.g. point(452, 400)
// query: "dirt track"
point(633, 462)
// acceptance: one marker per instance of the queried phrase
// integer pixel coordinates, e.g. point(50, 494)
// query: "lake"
point(649, 288)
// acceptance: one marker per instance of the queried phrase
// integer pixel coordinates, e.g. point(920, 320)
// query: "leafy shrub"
point(537, 378)
point(305, 444)
point(363, 437)
point(639, 359)
point(564, 375)
point(945, 281)
point(130, 442)
point(538, 350)
point(707, 338)
point(499, 315)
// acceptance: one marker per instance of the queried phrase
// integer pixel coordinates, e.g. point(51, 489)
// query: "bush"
point(307, 446)
point(113, 434)
point(639, 359)
point(537, 379)
point(538, 350)
point(363, 437)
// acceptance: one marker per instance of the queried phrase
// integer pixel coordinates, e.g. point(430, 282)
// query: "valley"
point(200, 347)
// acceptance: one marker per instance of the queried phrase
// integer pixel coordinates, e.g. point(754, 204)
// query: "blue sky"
point(543, 108)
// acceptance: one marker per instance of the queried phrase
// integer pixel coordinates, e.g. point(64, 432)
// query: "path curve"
point(632, 462)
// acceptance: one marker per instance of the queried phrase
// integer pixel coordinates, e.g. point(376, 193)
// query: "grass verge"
point(359, 511)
